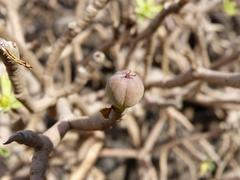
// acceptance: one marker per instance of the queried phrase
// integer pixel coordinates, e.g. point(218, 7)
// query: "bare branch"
point(206, 75)
point(44, 144)
point(154, 24)
point(73, 29)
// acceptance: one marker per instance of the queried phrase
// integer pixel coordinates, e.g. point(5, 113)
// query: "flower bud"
point(124, 89)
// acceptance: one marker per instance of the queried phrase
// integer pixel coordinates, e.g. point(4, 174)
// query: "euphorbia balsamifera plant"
point(124, 89)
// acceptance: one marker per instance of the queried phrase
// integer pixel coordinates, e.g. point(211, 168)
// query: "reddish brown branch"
point(45, 143)
point(42, 148)
point(26, 137)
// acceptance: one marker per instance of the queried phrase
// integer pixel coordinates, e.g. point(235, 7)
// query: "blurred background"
point(185, 127)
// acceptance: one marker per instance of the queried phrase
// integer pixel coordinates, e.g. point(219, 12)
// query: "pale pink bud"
point(124, 89)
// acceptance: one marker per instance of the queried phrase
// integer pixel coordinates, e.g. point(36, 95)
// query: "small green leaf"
point(207, 166)
point(16, 104)
point(5, 101)
point(7, 98)
point(140, 3)
point(5, 85)
point(4, 152)
point(230, 7)
point(147, 9)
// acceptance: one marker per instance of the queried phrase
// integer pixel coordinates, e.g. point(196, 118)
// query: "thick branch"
point(26, 54)
point(16, 76)
point(45, 143)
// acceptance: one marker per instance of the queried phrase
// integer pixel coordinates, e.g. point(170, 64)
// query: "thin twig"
point(203, 74)
point(152, 27)
point(66, 38)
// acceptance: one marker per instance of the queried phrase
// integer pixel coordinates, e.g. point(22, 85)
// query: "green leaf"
point(5, 101)
point(16, 104)
point(230, 7)
point(5, 85)
point(206, 167)
point(4, 152)
point(9, 102)
point(147, 9)
point(7, 98)
point(140, 3)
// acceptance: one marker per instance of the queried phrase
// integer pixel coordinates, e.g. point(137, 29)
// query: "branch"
point(45, 143)
point(203, 74)
point(73, 29)
point(153, 26)
point(9, 55)
point(26, 54)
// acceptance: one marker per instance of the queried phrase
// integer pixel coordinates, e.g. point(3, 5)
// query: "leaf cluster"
point(7, 97)
point(230, 7)
point(147, 9)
